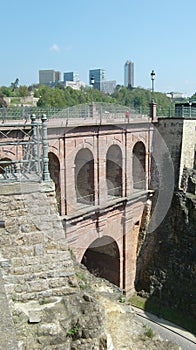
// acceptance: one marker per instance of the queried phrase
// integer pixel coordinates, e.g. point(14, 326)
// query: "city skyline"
point(78, 36)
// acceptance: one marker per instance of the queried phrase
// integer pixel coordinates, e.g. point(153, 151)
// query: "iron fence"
point(23, 151)
point(96, 109)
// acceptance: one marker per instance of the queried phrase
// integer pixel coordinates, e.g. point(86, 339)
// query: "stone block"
point(34, 316)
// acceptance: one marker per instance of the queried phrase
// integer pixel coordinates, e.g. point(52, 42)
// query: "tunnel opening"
point(102, 259)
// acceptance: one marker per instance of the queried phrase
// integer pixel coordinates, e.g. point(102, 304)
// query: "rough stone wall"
point(47, 301)
point(40, 299)
point(172, 131)
point(188, 146)
point(34, 252)
point(180, 137)
point(167, 259)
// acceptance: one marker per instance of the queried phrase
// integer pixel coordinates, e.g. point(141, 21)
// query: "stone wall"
point(180, 137)
point(166, 262)
point(34, 254)
point(47, 301)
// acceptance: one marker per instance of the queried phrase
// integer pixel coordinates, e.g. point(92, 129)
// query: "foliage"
point(63, 97)
point(140, 99)
point(122, 299)
point(149, 332)
point(73, 331)
point(168, 313)
point(14, 85)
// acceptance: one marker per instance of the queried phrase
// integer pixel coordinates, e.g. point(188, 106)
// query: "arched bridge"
point(99, 158)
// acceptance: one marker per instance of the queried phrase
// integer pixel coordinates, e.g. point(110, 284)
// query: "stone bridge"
point(100, 162)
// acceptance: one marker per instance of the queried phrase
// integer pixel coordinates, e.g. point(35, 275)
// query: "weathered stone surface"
point(46, 309)
point(167, 259)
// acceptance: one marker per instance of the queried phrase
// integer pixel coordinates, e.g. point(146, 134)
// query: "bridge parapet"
point(79, 114)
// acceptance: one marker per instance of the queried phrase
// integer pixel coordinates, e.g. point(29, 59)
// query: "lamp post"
point(92, 84)
point(153, 104)
point(152, 74)
point(92, 81)
point(190, 104)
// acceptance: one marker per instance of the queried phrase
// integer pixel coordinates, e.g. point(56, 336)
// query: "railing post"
point(46, 174)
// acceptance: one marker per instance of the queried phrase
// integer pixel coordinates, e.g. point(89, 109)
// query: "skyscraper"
point(99, 77)
point(71, 76)
point(129, 74)
point(49, 77)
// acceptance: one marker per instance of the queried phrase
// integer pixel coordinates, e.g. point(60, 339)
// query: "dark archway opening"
point(54, 170)
point(102, 259)
point(5, 165)
point(138, 167)
point(114, 171)
point(84, 177)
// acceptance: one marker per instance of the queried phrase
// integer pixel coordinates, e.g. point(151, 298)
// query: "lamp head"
point(152, 75)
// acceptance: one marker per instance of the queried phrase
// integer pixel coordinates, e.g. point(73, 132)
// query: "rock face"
point(167, 258)
point(47, 301)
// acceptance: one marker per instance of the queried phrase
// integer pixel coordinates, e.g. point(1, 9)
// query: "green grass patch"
point(170, 314)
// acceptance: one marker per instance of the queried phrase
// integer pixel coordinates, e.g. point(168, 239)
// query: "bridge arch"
point(139, 166)
point(114, 171)
point(84, 176)
point(102, 258)
point(54, 170)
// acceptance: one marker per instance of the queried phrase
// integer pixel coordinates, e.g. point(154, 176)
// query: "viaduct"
point(100, 159)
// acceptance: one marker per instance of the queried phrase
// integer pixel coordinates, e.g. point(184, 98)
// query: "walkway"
point(167, 330)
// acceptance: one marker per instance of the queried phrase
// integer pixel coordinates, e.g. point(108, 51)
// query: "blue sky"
point(78, 35)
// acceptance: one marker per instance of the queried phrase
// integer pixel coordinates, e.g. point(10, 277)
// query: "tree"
point(15, 84)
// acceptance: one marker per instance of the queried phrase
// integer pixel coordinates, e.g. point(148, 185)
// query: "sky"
point(79, 35)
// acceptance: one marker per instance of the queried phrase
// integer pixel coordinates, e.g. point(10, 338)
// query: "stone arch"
point(54, 170)
point(139, 166)
point(114, 171)
point(102, 258)
point(84, 176)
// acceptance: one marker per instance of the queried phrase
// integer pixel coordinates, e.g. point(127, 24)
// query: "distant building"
point(71, 76)
point(108, 87)
point(129, 74)
point(49, 77)
point(176, 95)
point(99, 77)
point(75, 85)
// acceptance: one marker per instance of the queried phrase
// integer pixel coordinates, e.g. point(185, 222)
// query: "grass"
point(149, 332)
point(175, 316)
point(83, 283)
point(73, 331)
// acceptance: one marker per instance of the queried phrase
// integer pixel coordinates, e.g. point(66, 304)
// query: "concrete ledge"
point(27, 187)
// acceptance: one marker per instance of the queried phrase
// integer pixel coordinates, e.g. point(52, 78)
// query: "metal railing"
point(98, 109)
point(185, 111)
point(24, 152)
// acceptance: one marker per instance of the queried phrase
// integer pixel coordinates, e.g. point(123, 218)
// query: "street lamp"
point(92, 84)
point(152, 74)
point(152, 103)
point(190, 104)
